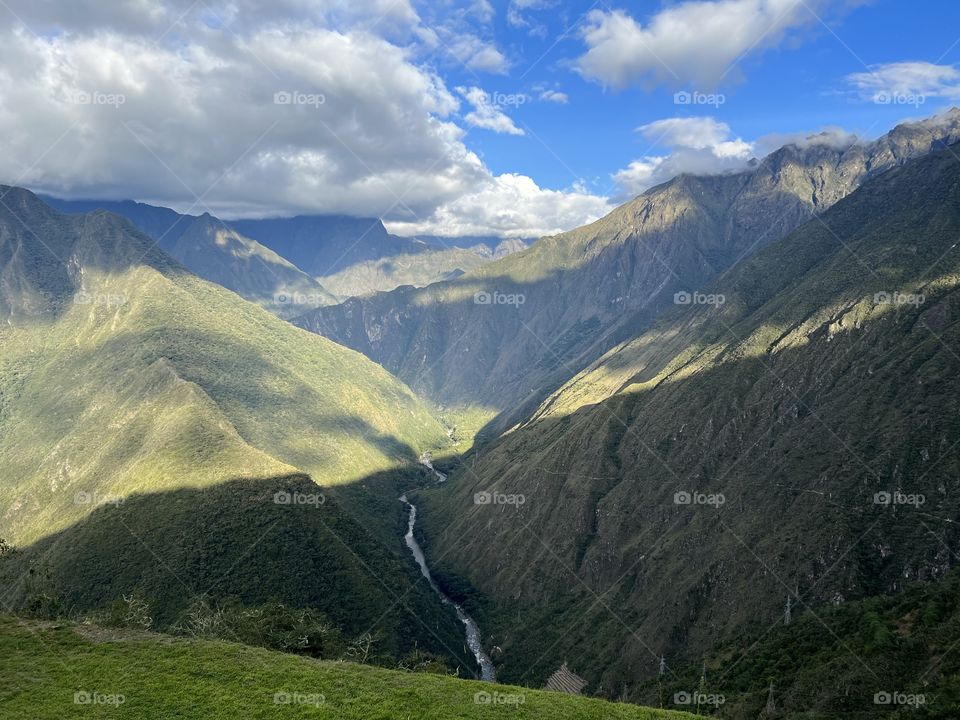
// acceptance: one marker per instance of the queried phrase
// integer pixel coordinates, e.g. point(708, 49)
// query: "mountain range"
point(289, 265)
point(580, 293)
point(707, 441)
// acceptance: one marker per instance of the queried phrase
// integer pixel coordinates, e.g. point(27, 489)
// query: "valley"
point(685, 447)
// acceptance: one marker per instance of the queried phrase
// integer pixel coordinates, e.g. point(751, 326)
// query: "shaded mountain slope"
point(580, 293)
point(814, 412)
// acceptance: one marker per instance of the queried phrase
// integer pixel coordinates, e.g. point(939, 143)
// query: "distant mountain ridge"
point(290, 265)
point(588, 289)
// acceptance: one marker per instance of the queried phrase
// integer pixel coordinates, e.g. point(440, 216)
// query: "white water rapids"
point(471, 629)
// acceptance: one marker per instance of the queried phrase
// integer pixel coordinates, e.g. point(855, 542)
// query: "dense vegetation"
point(893, 656)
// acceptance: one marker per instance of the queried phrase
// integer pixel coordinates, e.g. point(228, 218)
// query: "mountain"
point(217, 252)
point(501, 336)
point(326, 244)
point(795, 437)
point(145, 675)
point(427, 265)
point(290, 265)
point(357, 256)
point(150, 420)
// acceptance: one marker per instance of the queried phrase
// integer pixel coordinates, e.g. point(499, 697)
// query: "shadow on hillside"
point(252, 540)
point(456, 351)
point(608, 570)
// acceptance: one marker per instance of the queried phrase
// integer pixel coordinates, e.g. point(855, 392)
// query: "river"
point(471, 629)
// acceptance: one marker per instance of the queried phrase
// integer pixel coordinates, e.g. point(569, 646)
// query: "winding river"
point(471, 629)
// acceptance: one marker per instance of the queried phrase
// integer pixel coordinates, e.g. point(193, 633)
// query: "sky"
point(516, 118)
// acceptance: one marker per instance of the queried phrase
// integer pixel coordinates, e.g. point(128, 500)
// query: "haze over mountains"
point(719, 423)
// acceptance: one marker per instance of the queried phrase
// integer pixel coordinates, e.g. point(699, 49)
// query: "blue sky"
point(797, 86)
point(513, 118)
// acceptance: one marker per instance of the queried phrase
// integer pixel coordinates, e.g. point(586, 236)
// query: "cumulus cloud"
point(555, 96)
point(698, 145)
point(163, 103)
point(477, 55)
point(706, 146)
point(513, 206)
point(695, 42)
point(486, 114)
point(902, 80)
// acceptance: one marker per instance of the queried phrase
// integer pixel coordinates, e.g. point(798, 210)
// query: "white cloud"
point(555, 96)
point(695, 42)
point(371, 132)
point(486, 114)
point(476, 54)
point(510, 205)
point(919, 80)
point(699, 145)
point(520, 15)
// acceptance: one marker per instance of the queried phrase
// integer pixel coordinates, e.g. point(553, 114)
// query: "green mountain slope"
point(216, 252)
point(799, 440)
point(886, 657)
point(503, 335)
point(131, 391)
point(63, 671)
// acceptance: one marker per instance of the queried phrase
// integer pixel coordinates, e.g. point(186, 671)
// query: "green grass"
point(159, 676)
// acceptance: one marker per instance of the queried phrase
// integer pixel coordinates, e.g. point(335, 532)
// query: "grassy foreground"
point(51, 670)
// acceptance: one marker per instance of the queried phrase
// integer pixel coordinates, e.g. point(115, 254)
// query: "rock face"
point(800, 439)
point(584, 291)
